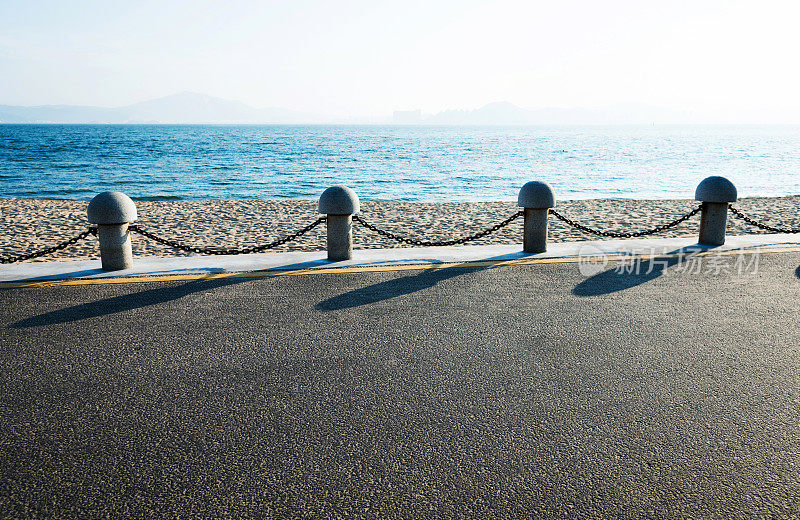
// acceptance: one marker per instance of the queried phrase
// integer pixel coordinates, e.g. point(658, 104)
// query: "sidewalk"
point(271, 264)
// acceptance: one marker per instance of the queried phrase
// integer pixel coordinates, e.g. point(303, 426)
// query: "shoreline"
point(31, 224)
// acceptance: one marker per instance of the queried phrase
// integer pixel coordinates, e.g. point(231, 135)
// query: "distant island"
point(505, 113)
point(193, 108)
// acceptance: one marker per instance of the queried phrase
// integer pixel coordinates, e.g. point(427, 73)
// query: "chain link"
point(425, 243)
point(384, 233)
point(232, 251)
point(738, 214)
point(657, 229)
point(47, 251)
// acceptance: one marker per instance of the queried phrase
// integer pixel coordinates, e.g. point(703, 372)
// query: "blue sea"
point(392, 163)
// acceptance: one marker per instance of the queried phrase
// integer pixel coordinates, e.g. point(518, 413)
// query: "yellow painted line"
point(382, 268)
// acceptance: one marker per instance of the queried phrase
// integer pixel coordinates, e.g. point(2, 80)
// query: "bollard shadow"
point(123, 303)
point(61, 276)
point(638, 273)
point(93, 272)
point(397, 287)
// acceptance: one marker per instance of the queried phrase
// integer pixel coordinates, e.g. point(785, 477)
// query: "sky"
point(368, 58)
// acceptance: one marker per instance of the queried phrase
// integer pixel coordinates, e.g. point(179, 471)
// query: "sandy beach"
point(30, 224)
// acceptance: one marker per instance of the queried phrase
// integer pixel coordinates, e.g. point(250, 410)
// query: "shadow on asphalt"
point(122, 303)
point(389, 289)
point(126, 302)
point(636, 272)
point(797, 272)
point(392, 288)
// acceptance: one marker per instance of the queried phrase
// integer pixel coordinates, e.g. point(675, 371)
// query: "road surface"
point(507, 392)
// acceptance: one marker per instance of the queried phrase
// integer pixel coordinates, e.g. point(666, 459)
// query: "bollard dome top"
point(339, 200)
point(536, 195)
point(111, 207)
point(715, 189)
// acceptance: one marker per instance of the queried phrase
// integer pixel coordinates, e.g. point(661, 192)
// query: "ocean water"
point(392, 163)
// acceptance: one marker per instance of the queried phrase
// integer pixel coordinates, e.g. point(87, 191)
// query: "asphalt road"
point(506, 392)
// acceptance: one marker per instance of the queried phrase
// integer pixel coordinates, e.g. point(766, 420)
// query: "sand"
point(30, 224)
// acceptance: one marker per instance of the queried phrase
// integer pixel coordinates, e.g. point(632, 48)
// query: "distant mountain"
point(192, 108)
point(504, 113)
point(186, 107)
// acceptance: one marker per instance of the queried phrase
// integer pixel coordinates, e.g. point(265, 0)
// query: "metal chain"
point(212, 251)
point(426, 243)
point(740, 215)
point(51, 249)
point(653, 231)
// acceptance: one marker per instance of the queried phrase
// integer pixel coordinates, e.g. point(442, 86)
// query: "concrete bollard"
point(113, 211)
point(537, 198)
point(715, 193)
point(339, 203)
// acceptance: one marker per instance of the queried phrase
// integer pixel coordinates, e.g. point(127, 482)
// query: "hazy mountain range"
point(192, 108)
point(184, 108)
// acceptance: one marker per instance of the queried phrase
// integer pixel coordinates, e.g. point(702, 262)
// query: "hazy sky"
point(357, 58)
